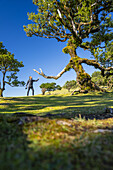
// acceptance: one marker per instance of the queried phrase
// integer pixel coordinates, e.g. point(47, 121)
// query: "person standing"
point(30, 85)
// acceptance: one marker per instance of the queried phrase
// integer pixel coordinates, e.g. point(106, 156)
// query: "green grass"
point(88, 103)
point(67, 142)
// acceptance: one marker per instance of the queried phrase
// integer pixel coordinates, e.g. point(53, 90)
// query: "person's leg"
point(32, 91)
point(28, 91)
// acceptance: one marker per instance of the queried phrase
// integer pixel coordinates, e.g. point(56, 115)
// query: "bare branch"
point(94, 4)
point(109, 69)
point(74, 28)
point(92, 63)
point(61, 38)
point(67, 68)
point(9, 84)
point(59, 13)
point(107, 74)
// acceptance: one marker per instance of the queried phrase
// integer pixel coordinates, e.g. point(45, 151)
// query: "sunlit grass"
point(59, 103)
point(67, 142)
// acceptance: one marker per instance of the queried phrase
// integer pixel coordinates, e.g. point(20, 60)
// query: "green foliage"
point(70, 85)
point(104, 55)
point(79, 18)
point(50, 86)
point(100, 80)
point(85, 24)
point(10, 66)
point(58, 87)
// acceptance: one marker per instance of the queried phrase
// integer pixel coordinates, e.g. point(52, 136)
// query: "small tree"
point(10, 66)
point(49, 87)
point(58, 87)
point(70, 85)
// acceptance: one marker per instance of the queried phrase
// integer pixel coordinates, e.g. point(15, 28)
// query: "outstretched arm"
point(35, 80)
point(67, 68)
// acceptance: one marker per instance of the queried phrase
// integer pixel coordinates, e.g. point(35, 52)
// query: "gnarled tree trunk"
point(83, 79)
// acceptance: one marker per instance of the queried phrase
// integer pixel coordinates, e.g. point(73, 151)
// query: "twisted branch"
point(97, 65)
point(67, 68)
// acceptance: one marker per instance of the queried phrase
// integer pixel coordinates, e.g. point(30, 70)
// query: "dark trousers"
point(29, 90)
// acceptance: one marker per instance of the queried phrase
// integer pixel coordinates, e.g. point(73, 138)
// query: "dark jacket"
point(30, 83)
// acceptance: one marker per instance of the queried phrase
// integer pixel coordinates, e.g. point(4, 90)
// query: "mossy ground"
point(51, 145)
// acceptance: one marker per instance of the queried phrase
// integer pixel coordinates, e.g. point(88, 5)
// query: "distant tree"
point(102, 81)
point(49, 87)
point(84, 24)
point(58, 87)
point(70, 85)
point(98, 79)
point(10, 66)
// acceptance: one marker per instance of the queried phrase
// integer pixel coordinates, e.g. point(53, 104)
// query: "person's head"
point(30, 77)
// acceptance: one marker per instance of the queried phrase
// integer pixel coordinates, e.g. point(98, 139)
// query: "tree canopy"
point(85, 24)
point(102, 81)
point(50, 86)
point(98, 78)
point(10, 66)
point(70, 85)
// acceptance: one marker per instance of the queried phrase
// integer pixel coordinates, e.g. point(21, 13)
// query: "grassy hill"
point(57, 131)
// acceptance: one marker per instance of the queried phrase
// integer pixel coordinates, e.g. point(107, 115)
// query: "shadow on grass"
point(31, 147)
point(17, 152)
point(89, 105)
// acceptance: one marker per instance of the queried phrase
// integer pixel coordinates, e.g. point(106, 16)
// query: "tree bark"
point(2, 87)
point(83, 79)
point(43, 91)
point(1, 93)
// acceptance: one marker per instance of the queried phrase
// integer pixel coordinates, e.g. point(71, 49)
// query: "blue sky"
point(33, 51)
